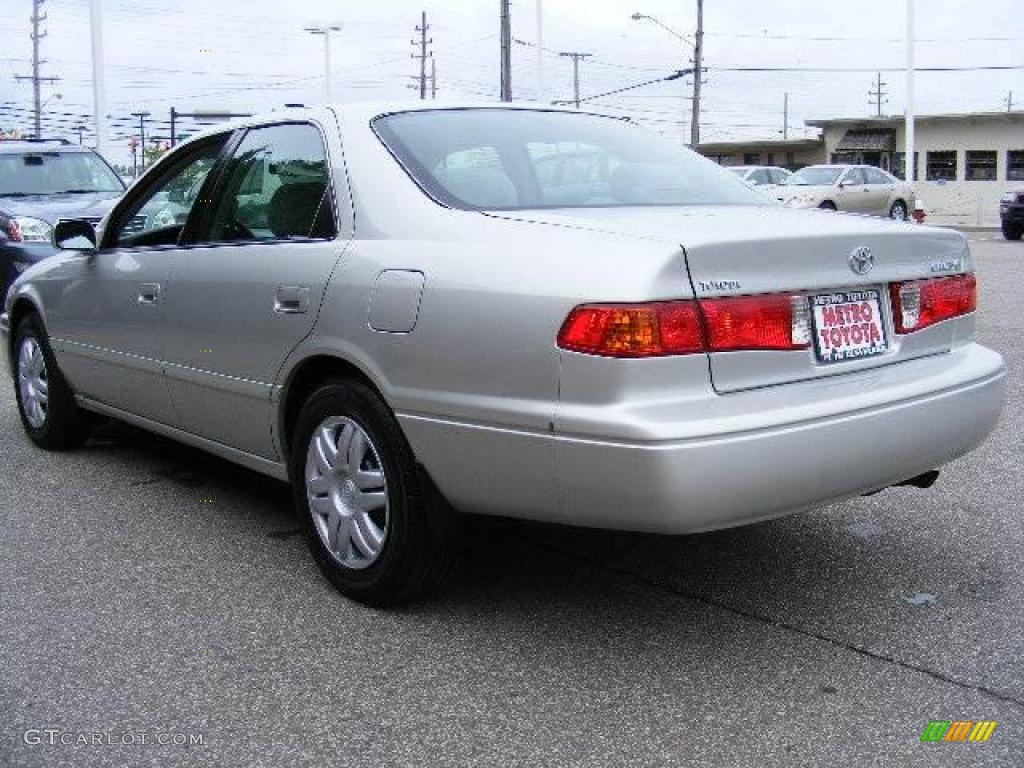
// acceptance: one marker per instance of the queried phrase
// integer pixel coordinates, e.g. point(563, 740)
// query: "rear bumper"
point(719, 481)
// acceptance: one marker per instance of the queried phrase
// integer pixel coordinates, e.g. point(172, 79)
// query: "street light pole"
point(326, 32)
point(698, 55)
point(909, 166)
point(98, 74)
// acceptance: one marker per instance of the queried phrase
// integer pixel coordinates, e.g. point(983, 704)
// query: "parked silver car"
point(390, 308)
point(856, 188)
point(765, 176)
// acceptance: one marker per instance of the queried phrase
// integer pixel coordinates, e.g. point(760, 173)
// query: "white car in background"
point(761, 175)
point(854, 188)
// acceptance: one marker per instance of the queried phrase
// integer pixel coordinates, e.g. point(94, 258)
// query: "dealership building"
point(965, 162)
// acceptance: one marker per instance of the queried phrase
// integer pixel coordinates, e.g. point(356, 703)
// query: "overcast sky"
point(253, 55)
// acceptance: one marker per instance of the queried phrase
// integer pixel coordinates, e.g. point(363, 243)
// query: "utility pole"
point(80, 128)
point(878, 94)
point(422, 43)
point(542, 86)
point(506, 52)
point(576, 58)
point(37, 80)
point(1009, 101)
point(142, 138)
point(785, 116)
point(698, 73)
point(909, 166)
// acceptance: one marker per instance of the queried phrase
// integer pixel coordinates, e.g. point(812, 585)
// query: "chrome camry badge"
point(861, 260)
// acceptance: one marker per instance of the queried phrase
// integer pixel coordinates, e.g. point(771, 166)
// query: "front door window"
point(158, 215)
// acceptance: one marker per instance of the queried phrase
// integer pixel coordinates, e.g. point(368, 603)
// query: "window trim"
point(191, 237)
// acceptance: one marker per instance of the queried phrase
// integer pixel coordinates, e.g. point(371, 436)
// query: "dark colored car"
point(42, 182)
point(1011, 213)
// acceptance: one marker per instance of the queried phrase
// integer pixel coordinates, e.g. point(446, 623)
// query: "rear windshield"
point(54, 173)
point(504, 159)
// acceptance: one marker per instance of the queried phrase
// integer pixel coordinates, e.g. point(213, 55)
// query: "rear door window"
point(275, 187)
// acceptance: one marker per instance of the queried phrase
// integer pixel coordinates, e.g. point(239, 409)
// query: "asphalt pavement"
point(153, 593)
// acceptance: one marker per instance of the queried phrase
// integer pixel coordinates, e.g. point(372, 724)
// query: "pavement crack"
point(783, 625)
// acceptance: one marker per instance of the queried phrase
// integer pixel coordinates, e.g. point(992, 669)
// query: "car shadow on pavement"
point(809, 564)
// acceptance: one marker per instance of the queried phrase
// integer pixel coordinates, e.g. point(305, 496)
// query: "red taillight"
point(916, 304)
point(633, 330)
point(756, 322)
point(13, 231)
point(685, 327)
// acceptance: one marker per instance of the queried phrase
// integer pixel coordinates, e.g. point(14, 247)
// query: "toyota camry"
point(411, 312)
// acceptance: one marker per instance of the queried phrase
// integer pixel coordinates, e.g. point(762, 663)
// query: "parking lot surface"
point(153, 591)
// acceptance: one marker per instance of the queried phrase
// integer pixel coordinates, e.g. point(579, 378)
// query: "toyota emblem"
point(861, 260)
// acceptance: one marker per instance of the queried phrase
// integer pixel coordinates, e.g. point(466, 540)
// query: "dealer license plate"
point(848, 325)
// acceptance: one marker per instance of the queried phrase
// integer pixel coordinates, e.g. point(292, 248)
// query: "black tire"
point(65, 425)
point(1012, 231)
point(417, 555)
point(898, 211)
point(828, 205)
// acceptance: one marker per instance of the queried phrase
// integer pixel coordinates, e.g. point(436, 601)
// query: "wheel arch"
point(22, 306)
point(303, 379)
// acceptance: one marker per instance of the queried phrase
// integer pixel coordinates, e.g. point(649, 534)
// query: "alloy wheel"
point(346, 488)
point(33, 382)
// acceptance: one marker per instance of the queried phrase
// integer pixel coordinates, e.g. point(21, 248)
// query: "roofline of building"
point(772, 143)
point(898, 119)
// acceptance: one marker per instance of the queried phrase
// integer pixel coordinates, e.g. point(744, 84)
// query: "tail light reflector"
point(917, 304)
point(665, 328)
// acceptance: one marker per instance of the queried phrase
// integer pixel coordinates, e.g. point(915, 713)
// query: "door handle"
point(291, 299)
point(149, 293)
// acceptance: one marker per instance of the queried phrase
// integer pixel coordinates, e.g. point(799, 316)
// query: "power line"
point(680, 73)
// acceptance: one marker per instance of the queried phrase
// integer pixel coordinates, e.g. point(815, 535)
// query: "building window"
point(751, 158)
point(771, 159)
point(981, 165)
point(896, 166)
point(1015, 165)
point(941, 166)
point(790, 160)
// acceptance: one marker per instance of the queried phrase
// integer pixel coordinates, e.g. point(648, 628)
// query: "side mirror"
point(74, 235)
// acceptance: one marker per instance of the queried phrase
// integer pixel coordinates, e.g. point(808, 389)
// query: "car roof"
point(23, 146)
point(365, 111)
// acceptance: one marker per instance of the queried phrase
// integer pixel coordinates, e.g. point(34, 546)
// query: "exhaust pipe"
point(924, 480)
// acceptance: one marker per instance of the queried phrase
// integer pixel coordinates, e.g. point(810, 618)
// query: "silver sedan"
point(415, 312)
point(855, 188)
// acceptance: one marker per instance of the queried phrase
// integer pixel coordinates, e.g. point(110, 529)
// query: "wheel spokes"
point(346, 488)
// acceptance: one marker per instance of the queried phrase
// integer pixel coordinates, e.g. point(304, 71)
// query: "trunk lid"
point(740, 251)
